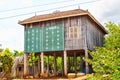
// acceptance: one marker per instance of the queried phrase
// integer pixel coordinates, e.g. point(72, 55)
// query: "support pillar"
point(42, 64)
point(75, 63)
point(48, 67)
point(34, 69)
point(55, 65)
point(72, 58)
point(38, 65)
point(85, 48)
point(82, 65)
point(68, 63)
point(86, 63)
point(25, 65)
point(65, 63)
point(62, 65)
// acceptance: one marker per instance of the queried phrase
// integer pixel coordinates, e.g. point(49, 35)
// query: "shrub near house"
point(106, 60)
point(6, 58)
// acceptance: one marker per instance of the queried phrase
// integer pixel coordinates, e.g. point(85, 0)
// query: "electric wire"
point(64, 1)
point(47, 9)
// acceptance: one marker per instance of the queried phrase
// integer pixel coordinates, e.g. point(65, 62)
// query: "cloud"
point(26, 2)
point(106, 9)
point(8, 4)
point(12, 38)
point(12, 34)
point(111, 8)
point(3, 2)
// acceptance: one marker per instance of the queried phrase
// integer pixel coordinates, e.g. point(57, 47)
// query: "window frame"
point(73, 31)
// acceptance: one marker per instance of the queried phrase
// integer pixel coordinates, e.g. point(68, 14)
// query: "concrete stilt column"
point(55, 65)
point(42, 64)
point(38, 65)
point(65, 63)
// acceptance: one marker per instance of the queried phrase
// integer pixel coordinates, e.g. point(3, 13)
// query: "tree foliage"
point(6, 59)
point(106, 60)
point(17, 53)
point(32, 59)
point(112, 40)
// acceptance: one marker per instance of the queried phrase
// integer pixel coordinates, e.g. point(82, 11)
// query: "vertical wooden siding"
point(85, 28)
point(74, 44)
point(95, 36)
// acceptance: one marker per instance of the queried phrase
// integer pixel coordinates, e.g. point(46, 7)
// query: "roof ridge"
point(70, 12)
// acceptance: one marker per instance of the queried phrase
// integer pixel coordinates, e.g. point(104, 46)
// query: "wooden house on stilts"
point(65, 34)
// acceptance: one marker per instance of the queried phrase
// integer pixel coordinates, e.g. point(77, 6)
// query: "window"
point(73, 32)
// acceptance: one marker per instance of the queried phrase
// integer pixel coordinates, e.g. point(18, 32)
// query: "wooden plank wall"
point(95, 36)
point(86, 28)
point(74, 44)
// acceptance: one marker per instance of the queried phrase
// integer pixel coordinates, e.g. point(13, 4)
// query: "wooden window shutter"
point(71, 32)
point(76, 32)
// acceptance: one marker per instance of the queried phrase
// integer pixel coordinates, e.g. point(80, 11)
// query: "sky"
point(12, 34)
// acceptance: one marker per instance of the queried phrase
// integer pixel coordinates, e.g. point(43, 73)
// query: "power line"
point(47, 9)
point(34, 6)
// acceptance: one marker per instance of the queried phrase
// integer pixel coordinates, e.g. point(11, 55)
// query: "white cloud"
point(11, 4)
point(12, 38)
point(12, 34)
point(26, 2)
point(3, 2)
point(106, 10)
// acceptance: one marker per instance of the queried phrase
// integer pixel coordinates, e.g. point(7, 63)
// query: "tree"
point(112, 40)
point(6, 59)
point(106, 60)
point(32, 61)
point(17, 53)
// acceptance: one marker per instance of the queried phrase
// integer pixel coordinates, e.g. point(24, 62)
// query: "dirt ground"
point(79, 78)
